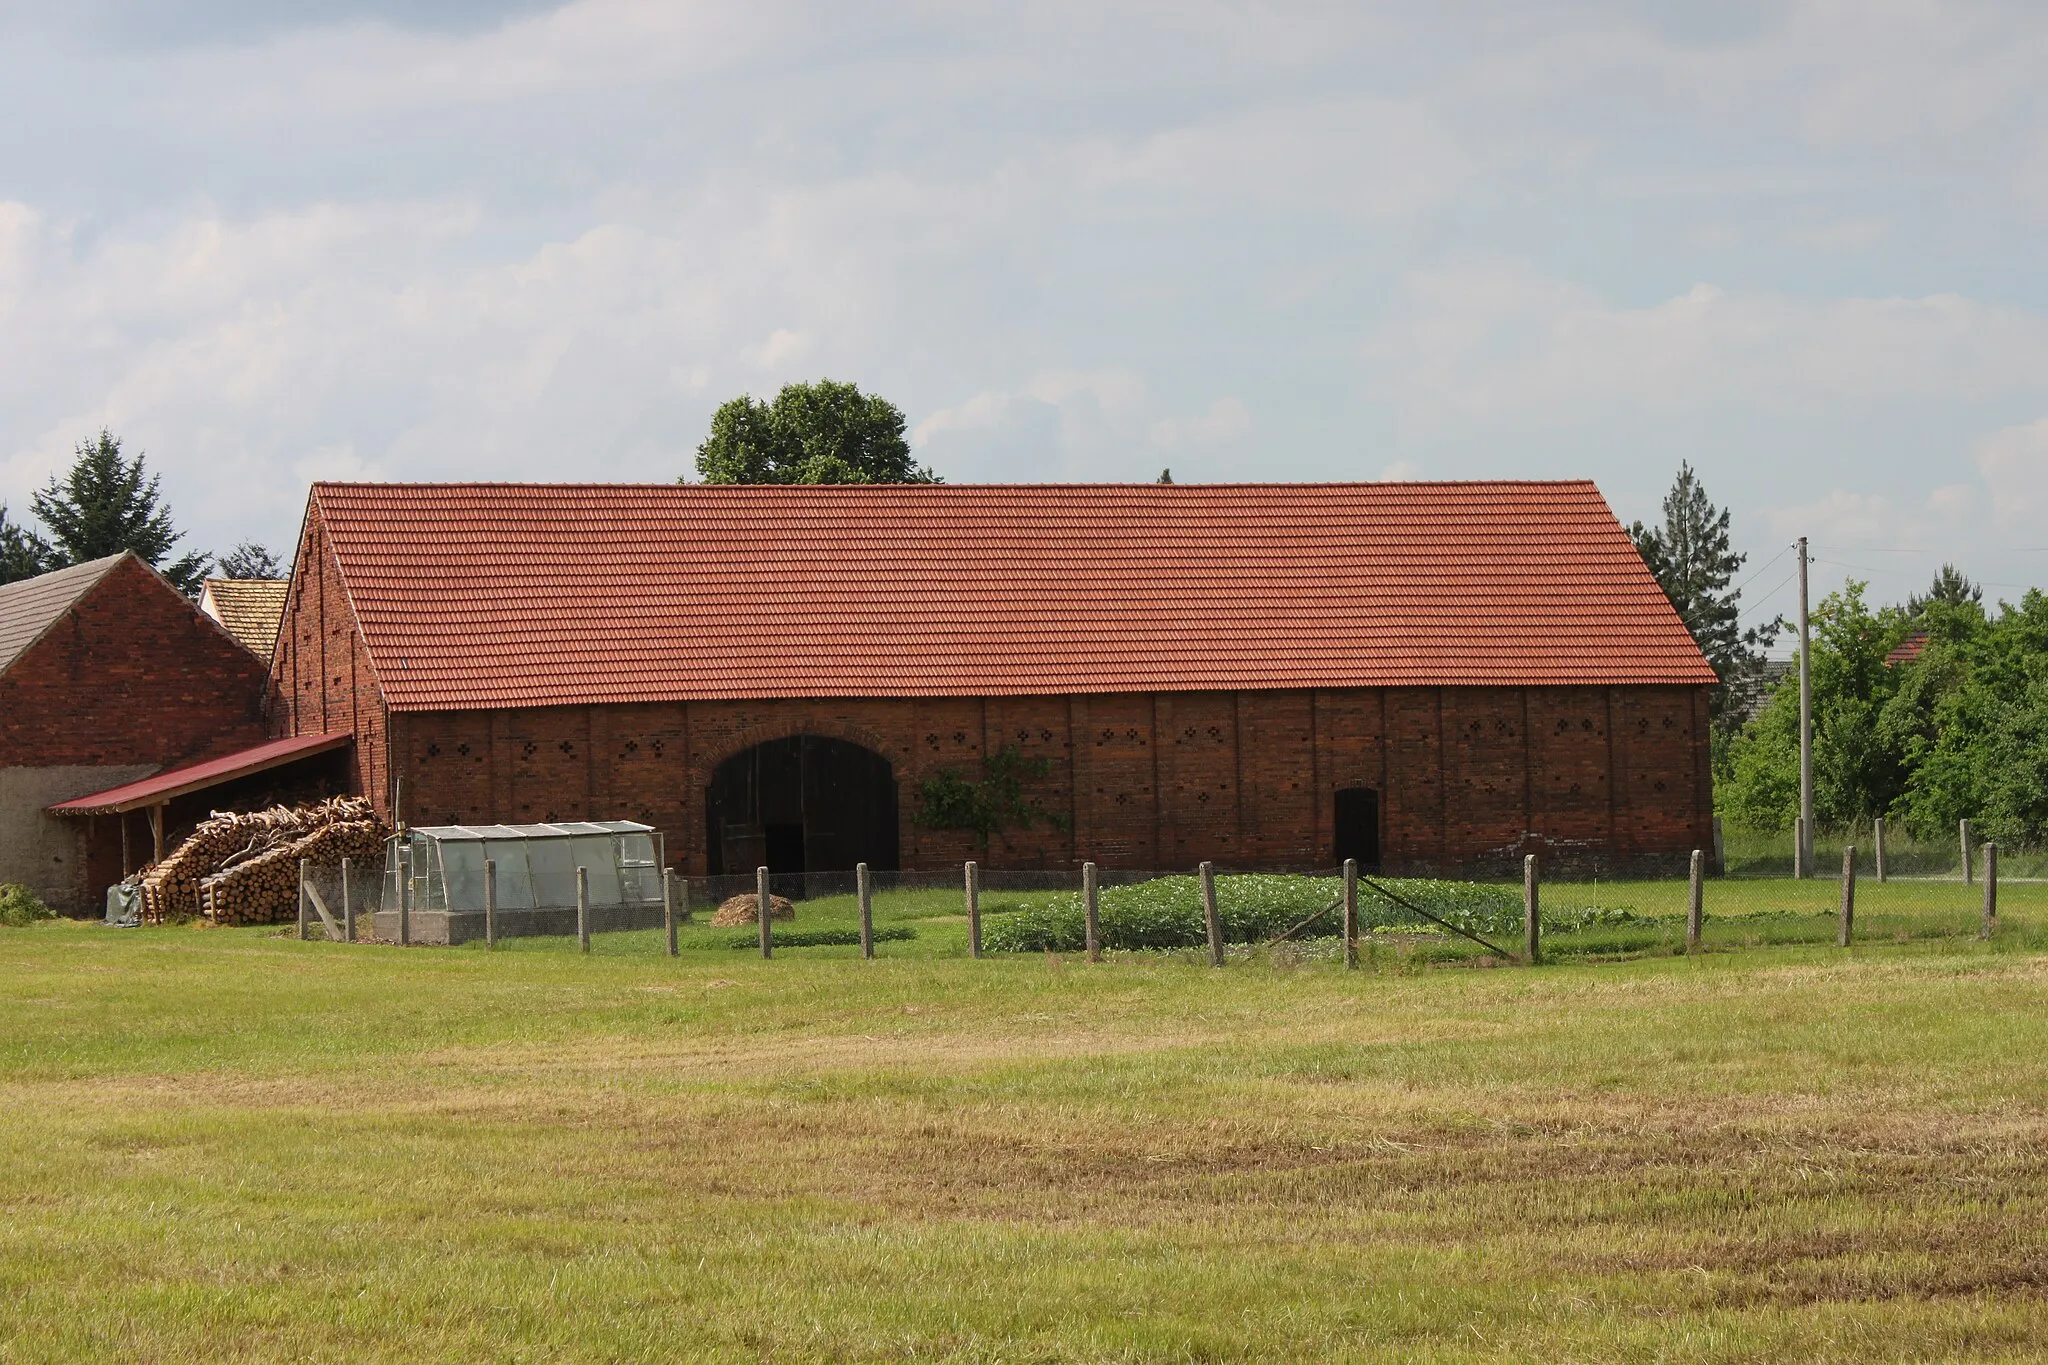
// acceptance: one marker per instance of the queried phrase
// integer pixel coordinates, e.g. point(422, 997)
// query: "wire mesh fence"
point(1295, 915)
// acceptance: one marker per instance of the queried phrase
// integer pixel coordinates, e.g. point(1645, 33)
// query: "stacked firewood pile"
point(244, 868)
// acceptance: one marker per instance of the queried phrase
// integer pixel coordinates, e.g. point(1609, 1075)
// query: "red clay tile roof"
point(488, 595)
point(155, 791)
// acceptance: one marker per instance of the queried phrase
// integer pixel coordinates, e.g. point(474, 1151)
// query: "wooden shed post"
point(156, 831)
point(1210, 917)
point(1091, 913)
point(864, 892)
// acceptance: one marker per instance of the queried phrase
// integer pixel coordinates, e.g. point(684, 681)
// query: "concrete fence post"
point(1351, 914)
point(1847, 930)
point(304, 867)
point(1963, 835)
point(864, 892)
point(1877, 844)
point(348, 909)
point(490, 902)
point(973, 875)
point(1532, 910)
point(1210, 917)
point(1091, 916)
point(583, 909)
point(405, 901)
point(1696, 902)
point(764, 907)
point(1990, 887)
point(1800, 870)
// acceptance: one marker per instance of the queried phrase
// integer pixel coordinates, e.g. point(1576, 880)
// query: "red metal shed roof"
point(154, 791)
point(489, 595)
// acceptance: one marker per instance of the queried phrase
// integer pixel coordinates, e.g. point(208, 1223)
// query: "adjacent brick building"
point(1425, 676)
point(107, 674)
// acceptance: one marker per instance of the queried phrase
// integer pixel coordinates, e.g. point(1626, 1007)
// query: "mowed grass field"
point(228, 1145)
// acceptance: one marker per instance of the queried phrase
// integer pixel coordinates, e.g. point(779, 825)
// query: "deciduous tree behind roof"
point(827, 432)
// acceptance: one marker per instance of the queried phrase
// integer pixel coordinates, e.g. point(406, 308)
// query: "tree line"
point(1924, 713)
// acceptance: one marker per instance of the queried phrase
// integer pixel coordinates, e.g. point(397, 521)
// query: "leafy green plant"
point(21, 907)
point(822, 938)
point(988, 807)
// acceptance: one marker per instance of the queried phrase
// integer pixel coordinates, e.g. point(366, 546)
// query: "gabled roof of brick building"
point(490, 595)
point(249, 607)
point(30, 606)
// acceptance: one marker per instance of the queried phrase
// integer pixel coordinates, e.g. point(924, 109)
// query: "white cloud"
point(1227, 420)
point(2014, 463)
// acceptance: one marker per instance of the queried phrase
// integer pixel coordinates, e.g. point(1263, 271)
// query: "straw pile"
point(247, 865)
point(734, 911)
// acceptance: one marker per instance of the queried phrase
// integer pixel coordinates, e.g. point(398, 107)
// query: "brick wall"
point(321, 678)
point(1247, 779)
point(132, 673)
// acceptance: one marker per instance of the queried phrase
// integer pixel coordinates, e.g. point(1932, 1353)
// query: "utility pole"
point(1804, 854)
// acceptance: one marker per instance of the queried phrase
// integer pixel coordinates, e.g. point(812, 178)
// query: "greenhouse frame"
point(441, 869)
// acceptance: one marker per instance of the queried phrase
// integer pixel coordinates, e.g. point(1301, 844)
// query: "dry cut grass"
point(221, 1145)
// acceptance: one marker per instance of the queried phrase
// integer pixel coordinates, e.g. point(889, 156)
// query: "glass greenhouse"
point(536, 866)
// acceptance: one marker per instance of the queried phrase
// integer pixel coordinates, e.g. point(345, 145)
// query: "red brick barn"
point(1417, 675)
point(109, 675)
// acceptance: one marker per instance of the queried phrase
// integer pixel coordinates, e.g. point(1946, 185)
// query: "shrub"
point(20, 907)
point(1165, 912)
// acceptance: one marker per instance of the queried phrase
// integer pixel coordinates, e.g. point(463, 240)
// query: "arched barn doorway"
point(808, 803)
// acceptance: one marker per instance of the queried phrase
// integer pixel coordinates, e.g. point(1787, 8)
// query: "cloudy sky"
point(1800, 245)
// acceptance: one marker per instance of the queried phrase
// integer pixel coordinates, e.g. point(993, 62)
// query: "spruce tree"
point(1949, 589)
point(251, 559)
point(108, 503)
point(1694, 562)
point(23, 553)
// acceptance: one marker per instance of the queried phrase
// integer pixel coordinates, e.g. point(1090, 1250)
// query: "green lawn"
point(223, 1144)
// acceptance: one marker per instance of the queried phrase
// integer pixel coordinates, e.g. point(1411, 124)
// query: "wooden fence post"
point(490, 902)
point(1351, 914)
point(668, 908)
point(973, 910)
point(1213, 920)
point(1532, 913)
point(1877, 844)
point(583, 909)
point(1990, 887)
point(1963, 833)
point(304, 863)
point(1848, 926)
point(763, 909)
point(1696, 902)
point(348, 909)
point(1091, 912)
point(864, 892)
